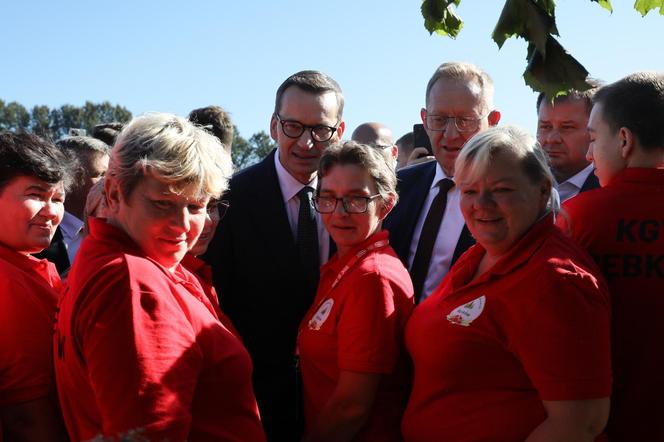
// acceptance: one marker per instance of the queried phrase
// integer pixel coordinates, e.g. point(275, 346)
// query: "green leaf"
point(533, 21)
point(644, 6)
point(441, 18)
point(556, 73)
point(606, 4)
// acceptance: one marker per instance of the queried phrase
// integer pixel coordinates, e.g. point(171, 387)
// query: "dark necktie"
point(307, 236)
point(420, 267)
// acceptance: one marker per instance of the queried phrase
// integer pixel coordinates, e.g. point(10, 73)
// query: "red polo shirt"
point(203, 272)
point(622, 226)
point(141, 348)
point(29, 289)
point(487, 352)
point(358, 326)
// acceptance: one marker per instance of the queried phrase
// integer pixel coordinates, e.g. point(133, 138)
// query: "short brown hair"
point(573, 95)
point(215, 120)
point(463, 71)
point(314, 82)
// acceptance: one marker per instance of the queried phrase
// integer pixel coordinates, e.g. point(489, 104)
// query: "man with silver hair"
point(426, 228)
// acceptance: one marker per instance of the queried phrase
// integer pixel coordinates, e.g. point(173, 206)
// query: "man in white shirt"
point(268, 248)
point(561, 130)
point(459, 104)
point(90, 156)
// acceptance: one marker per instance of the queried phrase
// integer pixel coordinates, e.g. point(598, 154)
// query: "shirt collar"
point(30, 264)
point(520, 253)
point(289, 185)
point(440, 175)
point(580, 177)
point(641, 175)
point(70, 225)
point(337, 262)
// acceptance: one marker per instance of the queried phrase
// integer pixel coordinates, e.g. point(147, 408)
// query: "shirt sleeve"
point(140, 352)
point(564, 344)
point(25, 343)
point(368, 336)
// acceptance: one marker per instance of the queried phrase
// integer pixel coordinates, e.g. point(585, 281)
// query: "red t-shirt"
point(358, 326)
point(140, 348)
point(203, 272)
point(487, 352)
point(29, 290)
point(622, 226)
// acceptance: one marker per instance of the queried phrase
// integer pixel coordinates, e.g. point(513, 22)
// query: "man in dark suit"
point(268, 248)
point(426, 227)
point(562, 132)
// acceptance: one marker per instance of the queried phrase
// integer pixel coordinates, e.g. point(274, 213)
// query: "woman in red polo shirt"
point(350, 341)
point(139, 346)
point(33, 174)
point(514, 343)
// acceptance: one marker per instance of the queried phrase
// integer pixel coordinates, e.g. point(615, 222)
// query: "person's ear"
point(545, 194)
point(627, 142)
point(494, 118)
point(274, 130)
point(387, 206)
point(113, 194)
point(423, 116)
point(341, 128)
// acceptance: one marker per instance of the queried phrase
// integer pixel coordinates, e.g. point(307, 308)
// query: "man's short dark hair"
point(573, 94)
point(30, 155)
point(314, 82)
point(76, 148)
point(107, 132)
point(406, 143)
point(215, 120)
point(637, 103)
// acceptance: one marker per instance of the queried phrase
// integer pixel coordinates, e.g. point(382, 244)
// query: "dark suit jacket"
point(413, 187)
point(56, 252)
point(255, 263)
point(592, 182)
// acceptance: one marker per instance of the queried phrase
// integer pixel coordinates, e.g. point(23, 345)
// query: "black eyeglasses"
point(438, 123)
point(219, 205)
point(351, 204)
point(295, 129)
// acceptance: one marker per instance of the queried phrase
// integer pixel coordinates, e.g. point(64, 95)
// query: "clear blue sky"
point(176, 56)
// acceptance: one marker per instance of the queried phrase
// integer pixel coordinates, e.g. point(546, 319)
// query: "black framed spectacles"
point(219, 205)
point(351, 204)
point(295, 129)
point(438, 123)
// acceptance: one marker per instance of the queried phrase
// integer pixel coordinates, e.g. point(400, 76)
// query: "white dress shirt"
point(289, 189)
point(72, 234)
point(448, 234)
point(572, 186)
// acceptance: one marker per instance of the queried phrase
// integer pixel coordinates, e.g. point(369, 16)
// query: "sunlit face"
point(300, 156)
point(562, 132)
point(606, 147)
point(453, 98)
point(350, 229)
point(501, 205)
point(30, 211)
point(211, 222)
point(164, 224)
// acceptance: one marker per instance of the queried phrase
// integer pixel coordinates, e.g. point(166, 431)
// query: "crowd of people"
point(497, 286)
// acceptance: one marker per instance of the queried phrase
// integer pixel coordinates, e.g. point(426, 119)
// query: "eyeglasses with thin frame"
point(294, 129)
point(351, 204)
point(438, 123)
point(220, 205)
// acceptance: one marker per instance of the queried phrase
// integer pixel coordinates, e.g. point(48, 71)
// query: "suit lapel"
point(590, 183)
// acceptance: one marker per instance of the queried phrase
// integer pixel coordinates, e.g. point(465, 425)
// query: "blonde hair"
point(476, 157)
point(171, 149)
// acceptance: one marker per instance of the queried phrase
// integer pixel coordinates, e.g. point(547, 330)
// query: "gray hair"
point(375, 161)
point(464, 72)
point(476, 156)
point(171, 149)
